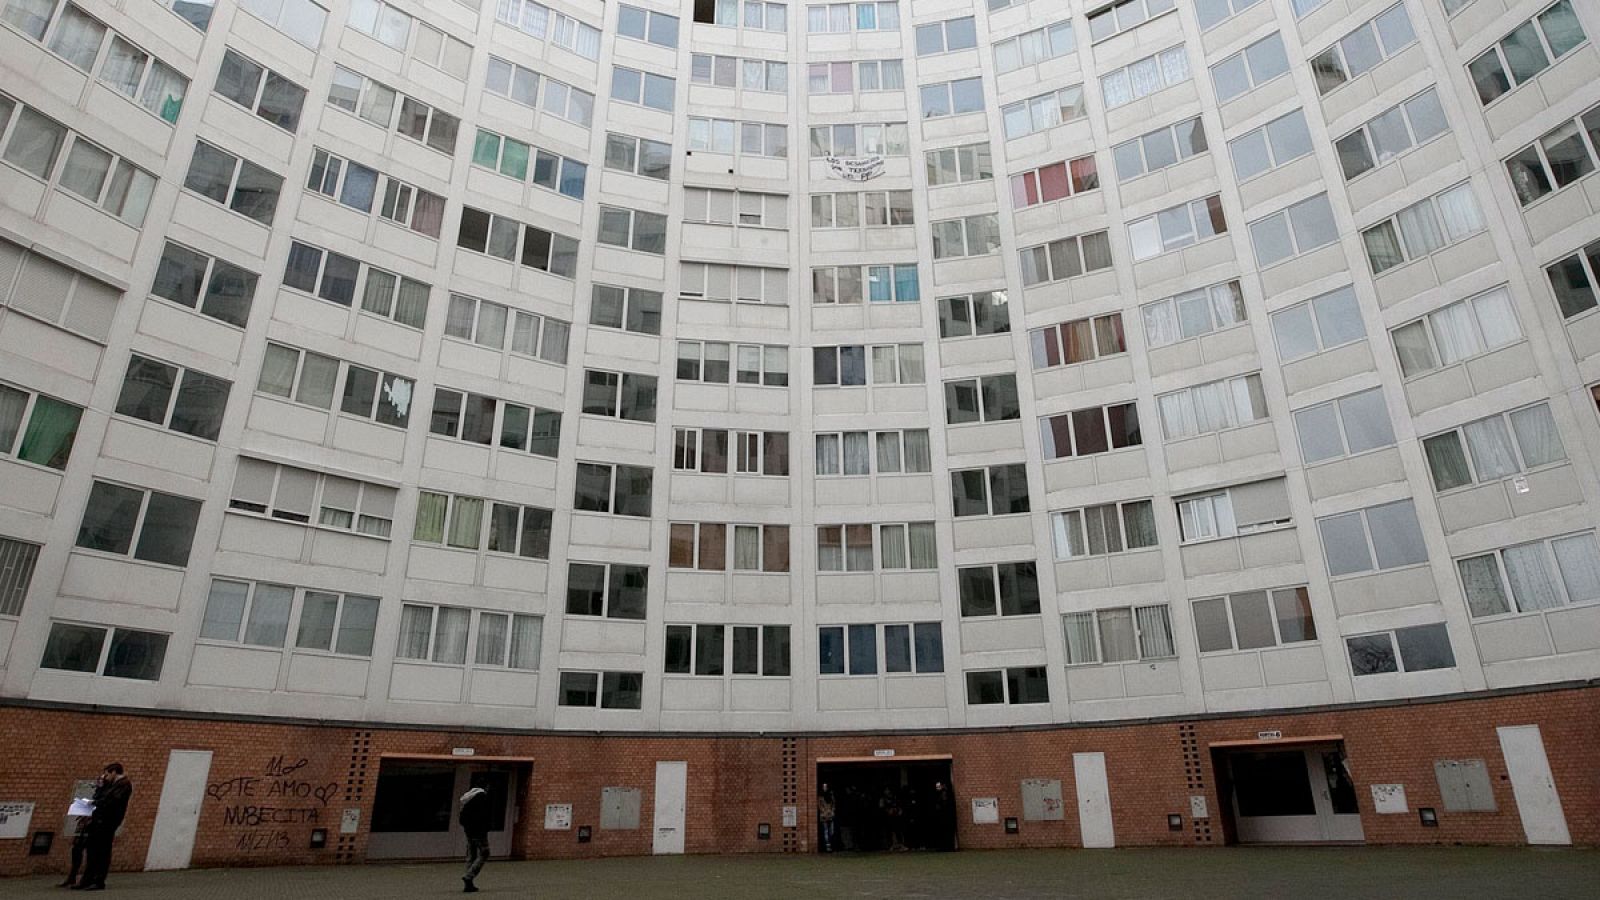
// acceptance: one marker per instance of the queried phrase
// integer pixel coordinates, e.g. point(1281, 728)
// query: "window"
point(517, 160)
point(887, 139)
point(704, 546)
point(967, 315)
point(1159, 149)
point(845, 210)
point(1250, 68)
point(1024, 684)
point(1320, 324)
point(1103, 529)
point(525, 15)
point(518, 84)
point(947, 36)
point(1531, 577)
point(457, 521)
point(1054, 182)
point(1251, 620)
point(640, 156)
point(992, 398)
point(570, 34)
point(754, 452)
point(1033, 47)
point(323, 273)
point(260, 90)
point(633, 229)
point(1077, 341)
point(1422, 228)
point(1176, 228)
point(1528, 50)
point(238, 184)
point(1274, 144)
point(1393, 132)
point(695, 649)
point(619, 395)
point(1421, 647)
point(107, 181)
point(364, 97)
point(205, 284)
point(84, 648)
point(852, 453)
point(838, 18)
point(647, 25)
point(471, 417)
point(742, 284)
point(992, 491)
point(154, 85)
point(607, 690)
point(643, 88)
point(619, 490)
point(1123, 634)
point(185, 400)
point(844, 548)
point(499, 236)
point(1573, 280)
point(17, 560)
point(746, 208)
point(1343, 427)
point(761, 650)
point(1560, 157)
point(1460, 331)
point(508, 641)
point(382, 22)
point(1145, 77)
point(1241, 509)
point(1296, 229)
point(630, 309)
point(1193, 313)
point(293, 494)
point(1006, 589)
point(747, 138)
point(441, 634)
point(761, 17)
point(709, 361)
point(195, 12)
point(1360, 50)
point(1212, 406)
point(614, 591)
point(853, 649)
point(901, 546)
point(491, 324)
point(847, 366)
point(1066, 258)
point(258, 614)
point(1499, 446)
point(350, 184)
point(1092, 430)
point(1372, 539)
point(969, 236)
point(148, 525)
point(1212, 13)
point(1043, 112)
point(567, 102)
point(959, 165)
point(1118, 17)
point(37, 429)
point(411, 207)
point(952, 98)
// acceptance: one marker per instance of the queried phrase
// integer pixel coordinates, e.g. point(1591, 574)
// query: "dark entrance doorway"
point(1293, 794)
point(888, 804)
point(414, 810)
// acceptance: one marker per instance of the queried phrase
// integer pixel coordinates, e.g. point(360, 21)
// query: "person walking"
point(110, 808)
point(474, 819)
point(827, 810)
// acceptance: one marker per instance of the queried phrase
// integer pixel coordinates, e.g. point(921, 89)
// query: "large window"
point(612, 591)
point(1392, 132)
point(314, 380)
point(1023, 684)
point(884, 283)
point(1121, 634)
point(619, 395)
point(851, 453)
point(187, 401)
point(1176, 227)
point(991, 398)
point(1065, 258)
point(952, 98)
point(872, 139)
point(734, 284)
point(1077, 341)
point(1380, 537)
point(643, 88)
point(990, 491)
point(259, 614)
point(37, 429)
point(512, 241)
point(1005, 589)
point(17, 560)
point(1251, 620)
point(1497, 447)
point(292, 494)
point(1414, 649)
point(1575, 279)
point(1212, 406)
point(968, 315)
point(712, 362)
point(1320, 324)
point(1530, 577)
point(147, 525)
point(1091, 430)
point(1103, 529)
point(854, 649)
point(299, 19)
point(260, 90)
point(1528, 50)
point(846, 366)
point(1056, 181)
point(1344, 427)
point(705, 546)
point(1298, 228)
point(900, 546)
point(708, 450)
point(959, 165)
point(473, 417)
point(633, 229)
point(1193, 313)
point(1145, 77)
point(841, 18)
point(1156, 150)
point(95, 175)
point(647, 25)
point(1033, 47)
point(640, 156)
point(84, 648)
point(1423, 227)
point(206, 284)
point(947, 36)
point(1359, 51)
point(236, 183)
point(1123, 15)
point(452, 520)
point(1043, 112)
point(740, 208)
point(1460, 331)
point(606, 690)
point(452, 635)
point(619, 490)
point(1250, 68)
point(525, 163)
point(1230, 512)
point(501, 328)
point(1274, 144)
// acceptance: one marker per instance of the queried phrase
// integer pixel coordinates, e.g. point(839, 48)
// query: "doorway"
point(414, 810)
point(1290, 794)
point(887, 804)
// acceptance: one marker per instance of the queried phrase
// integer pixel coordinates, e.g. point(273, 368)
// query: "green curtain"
point(48, 440)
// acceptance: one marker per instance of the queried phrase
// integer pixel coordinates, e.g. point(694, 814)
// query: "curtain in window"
point(888, 451)
point(1490, 445)
point(1174, 65)
point(911, 368)
point(1116, 635)
point(450, 635)
point(1177, 415)
point(918, 456)
point(1139, 522)
point(1459, 210)
point(123, 66)
point(12, 405)
point(1447, 462)
point(1079, 631)
point(1411, 346)
point(1155, 632)
point(857, 453)
point(827, 454)
point(51, 430)
point(163, 92)
point(906, 289)
point(1145, 77)
point(1419, 228)
point(1383, 247)
point(491, 649)
point(1117, 89)
point(1161, 325)
point(1530, 577)
point(416, 623)
point(1537, 436)
point(1067, 528)
point(225, 610)
point(924, 552)
point(427, 214)
point(893, 550)
point(430, 518)
point(269, 615)
point(1579, 561)
point(1496, 321)
point(77, 38)
point(830, 549)
point(527, 632)
point(747, 547)
point(1213, 407)
point(466, 523)
point(884, 367)
point(1480, 579)
point(1453, 333)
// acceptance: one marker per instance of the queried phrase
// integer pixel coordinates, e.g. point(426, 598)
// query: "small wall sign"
point(1273, 735)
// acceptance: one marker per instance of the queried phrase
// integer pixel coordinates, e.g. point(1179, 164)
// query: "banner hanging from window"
point(855, 168)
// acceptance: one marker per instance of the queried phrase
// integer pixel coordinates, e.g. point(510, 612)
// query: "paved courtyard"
point(1299, 873)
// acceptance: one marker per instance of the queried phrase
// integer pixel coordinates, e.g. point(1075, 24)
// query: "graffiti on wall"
point(257, 807)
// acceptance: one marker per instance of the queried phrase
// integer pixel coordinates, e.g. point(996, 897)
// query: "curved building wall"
point(898, 365)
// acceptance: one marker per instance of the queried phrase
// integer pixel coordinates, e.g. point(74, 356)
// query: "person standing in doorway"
point(474, 819)
point(110, 808)
point(827, 810)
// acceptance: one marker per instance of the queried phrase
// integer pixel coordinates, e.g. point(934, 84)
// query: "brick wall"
point(272, 784)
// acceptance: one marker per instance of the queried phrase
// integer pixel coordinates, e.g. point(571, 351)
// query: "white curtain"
point(1495, 318)
point(1530, 577)
point(1067, 528)
point(1155, 633)
point(858, 548)
point(1212, 407)
point(1116, 635)
point(430, 517)
point(1459, 210)
point(450, 635)
point(747, 547)
point(918, 456)
point(1491, 449)
point(416, 623)
point(12, 404)
point(827, 454)
point(458, 319)
point(1174, 65)
point(1453, 333)
point(924, 550)
point(1079, 631)
point(1177, 414)
point(893, 540)
point(1161, 324)
point(888, 451)
point(491, 649)
point(830, 548)
point(1579, 561)
point(857, 453)
point(1145, 77)
point(1480, 579)
point(527, 632)
point(1537, 436)
point(1419, 229)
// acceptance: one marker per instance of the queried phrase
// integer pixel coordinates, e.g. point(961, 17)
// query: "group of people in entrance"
point(903, 817)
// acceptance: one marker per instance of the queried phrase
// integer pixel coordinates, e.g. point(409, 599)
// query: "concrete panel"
point(1343, 476)
point(1384, 590)
point(1095, 682)
point(317, 674)
point(249, 668)
point(759, 695)
point(426, 683)
point(691, 693)
point(1294, 664)
point(1518, 637)
point(847, 693)
point(1575, 628)
point(119, 580)
point(582, 634)
point(1000, 634)
point(1230, 671)
point(915, 692)
point(1152, 679)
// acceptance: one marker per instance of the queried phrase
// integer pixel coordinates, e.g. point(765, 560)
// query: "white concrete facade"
point(1363, 383)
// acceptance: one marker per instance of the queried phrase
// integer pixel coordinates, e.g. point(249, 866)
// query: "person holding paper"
point(80, 812)
point(110, 808)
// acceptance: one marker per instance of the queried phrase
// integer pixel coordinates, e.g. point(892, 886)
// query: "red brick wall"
point(271, 784)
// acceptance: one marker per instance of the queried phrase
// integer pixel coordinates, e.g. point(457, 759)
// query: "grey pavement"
point(1262, 872)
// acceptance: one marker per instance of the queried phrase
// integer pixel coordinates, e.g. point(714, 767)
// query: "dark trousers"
point(80, 845)
point(99, 853)
point(477, 854)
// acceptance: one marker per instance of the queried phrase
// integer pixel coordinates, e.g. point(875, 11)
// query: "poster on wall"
point(558, 816)
point(1388, 799)
point(985, 810)
point(855, 168)
point(14, 819)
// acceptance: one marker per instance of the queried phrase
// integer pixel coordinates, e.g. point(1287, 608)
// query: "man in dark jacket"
point(110, 808)
point(474, 819)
